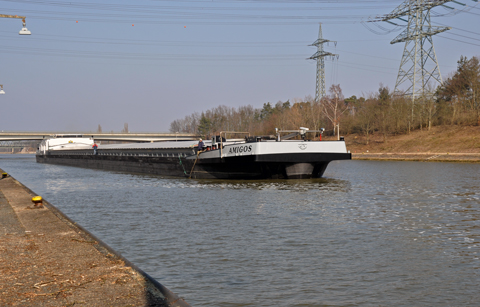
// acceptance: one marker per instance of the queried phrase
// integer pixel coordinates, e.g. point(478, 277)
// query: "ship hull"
point(247, 167)
point(230, 160)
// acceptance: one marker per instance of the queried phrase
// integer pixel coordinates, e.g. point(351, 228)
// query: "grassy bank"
point(444, 143)
point(451, 139)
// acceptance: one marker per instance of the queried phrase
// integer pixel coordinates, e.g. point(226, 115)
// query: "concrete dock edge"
point(419, 156)
point(46, 259)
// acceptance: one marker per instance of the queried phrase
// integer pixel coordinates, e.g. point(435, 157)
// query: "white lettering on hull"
point(286, 147)
point(240, 149)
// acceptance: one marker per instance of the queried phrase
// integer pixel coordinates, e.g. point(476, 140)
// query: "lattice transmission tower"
point(419, 64)
point(319, 56)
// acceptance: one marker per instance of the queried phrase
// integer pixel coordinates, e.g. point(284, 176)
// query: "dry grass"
point(443, 139)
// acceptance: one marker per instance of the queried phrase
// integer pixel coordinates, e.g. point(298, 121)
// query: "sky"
point(147, 63)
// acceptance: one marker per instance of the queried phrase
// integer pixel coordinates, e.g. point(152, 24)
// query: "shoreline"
point(419, 156)
point(391, 156)
point(48, 259)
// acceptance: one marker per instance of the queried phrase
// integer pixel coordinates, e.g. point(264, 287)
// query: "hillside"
point(451, 139)
point(443, 143)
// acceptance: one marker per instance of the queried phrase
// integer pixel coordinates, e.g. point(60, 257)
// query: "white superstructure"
point(65, 142)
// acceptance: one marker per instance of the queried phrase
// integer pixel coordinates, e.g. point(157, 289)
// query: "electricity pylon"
point(320, 55)
point(419, 63)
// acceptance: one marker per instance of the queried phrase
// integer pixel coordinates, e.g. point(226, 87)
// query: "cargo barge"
point(278, 156)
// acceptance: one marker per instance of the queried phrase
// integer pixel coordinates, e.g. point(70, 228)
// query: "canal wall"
point(419, 156)
point(46, 259)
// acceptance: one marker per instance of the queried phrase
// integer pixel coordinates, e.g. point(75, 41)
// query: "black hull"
point(243, 167)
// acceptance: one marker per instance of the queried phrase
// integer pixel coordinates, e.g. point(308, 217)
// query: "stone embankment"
point(46, 259)
point(419, 156)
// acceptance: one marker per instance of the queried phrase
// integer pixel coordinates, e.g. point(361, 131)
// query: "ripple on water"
point(369, 233)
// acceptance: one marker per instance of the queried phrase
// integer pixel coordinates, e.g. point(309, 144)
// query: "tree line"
point(455, 102)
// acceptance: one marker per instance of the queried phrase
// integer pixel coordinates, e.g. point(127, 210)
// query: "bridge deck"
point(132, 137)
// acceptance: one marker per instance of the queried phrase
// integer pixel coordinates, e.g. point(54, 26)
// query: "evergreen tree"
point(460, 93)
point(205, 126)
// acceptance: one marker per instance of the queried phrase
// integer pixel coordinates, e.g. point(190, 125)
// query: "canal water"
point(368, 234)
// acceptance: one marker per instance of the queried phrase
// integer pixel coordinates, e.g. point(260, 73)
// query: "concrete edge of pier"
point(47, 259)
point(419, 156)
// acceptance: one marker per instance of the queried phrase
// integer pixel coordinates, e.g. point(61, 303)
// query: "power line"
point(137, 42)
point(146, 56)
point(368, 55)
point(203, 12)
point(457, 28)
point(457, 40)
point(354, 66)
point(475, 39)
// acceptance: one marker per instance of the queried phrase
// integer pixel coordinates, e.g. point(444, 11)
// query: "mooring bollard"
point(37, 200)
point(4, 175)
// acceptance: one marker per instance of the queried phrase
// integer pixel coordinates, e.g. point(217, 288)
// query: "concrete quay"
point(46, 259)
point(419, 156)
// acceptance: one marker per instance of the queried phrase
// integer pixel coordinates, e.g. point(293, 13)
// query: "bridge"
point(123, 137)
point(20, 141)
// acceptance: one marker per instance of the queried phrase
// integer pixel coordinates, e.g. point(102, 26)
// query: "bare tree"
point(315, 114)
point(365, 116)
point(334, 107)
point(125, 128)
point(384, 110)
point(188, 124)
